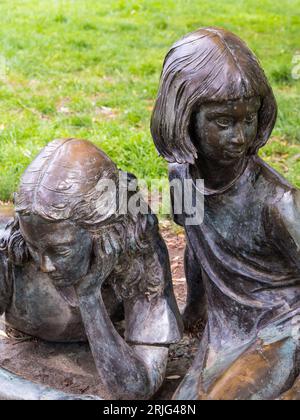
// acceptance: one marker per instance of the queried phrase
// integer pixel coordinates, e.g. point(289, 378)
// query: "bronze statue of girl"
point(70, 259)
point(215, 110)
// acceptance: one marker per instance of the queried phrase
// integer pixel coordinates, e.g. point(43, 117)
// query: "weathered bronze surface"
point(69, 270)
point(215, 110)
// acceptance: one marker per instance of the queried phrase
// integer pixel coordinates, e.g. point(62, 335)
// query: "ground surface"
point(71, 367)
point(90, 69)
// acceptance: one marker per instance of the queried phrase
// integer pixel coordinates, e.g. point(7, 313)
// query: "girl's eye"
point(223, 122)
point(64, 252)
point(59, 252)
point(250, 118)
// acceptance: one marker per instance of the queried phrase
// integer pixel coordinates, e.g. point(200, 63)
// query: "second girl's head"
point(214, 100)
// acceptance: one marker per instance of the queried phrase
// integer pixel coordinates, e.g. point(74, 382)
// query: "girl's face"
point(223, 132)
point(60, 249)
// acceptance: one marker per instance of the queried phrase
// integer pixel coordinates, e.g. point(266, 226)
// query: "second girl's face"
point(60, 249)
point(223, 132)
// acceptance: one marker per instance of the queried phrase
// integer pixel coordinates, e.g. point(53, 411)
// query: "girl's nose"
point(239, 135)
point(46, 265)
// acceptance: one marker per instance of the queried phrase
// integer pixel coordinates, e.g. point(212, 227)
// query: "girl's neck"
point(217, 176)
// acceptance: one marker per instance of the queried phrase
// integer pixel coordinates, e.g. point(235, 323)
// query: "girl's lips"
point(61, 281)
point(235, 152)
point(56, 277)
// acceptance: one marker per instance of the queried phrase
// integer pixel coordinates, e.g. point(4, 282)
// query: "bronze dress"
point(247, 254)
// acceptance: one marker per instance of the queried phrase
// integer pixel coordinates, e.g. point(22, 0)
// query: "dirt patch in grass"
point(106, 113)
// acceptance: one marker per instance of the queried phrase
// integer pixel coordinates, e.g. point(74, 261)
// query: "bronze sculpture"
point(215, 110)
point(69, 269)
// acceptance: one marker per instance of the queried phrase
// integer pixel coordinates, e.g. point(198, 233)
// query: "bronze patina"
point(215, 110)
point(70, 266)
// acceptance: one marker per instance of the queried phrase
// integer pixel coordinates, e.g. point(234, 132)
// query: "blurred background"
point(90, 69)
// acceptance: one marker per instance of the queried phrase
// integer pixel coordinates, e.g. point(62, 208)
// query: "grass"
point(90, 69)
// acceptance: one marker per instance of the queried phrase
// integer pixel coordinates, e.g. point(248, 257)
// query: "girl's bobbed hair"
point(209, 65)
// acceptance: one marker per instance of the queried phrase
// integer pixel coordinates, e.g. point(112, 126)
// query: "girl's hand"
point(100, 269)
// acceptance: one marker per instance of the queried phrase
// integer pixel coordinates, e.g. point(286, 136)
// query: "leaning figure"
point(74, 260)
point(214, 111)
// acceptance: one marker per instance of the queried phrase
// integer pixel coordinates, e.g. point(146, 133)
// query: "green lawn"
point(91, 68)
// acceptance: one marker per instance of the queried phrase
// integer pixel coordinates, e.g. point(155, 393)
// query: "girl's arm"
point(127, 372)
point(137, 370)
point(196, 307)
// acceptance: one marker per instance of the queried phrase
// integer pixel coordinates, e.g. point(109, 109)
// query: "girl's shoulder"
point(287, 208)
point(271, 177)
point(278, 194)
